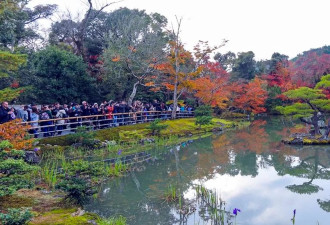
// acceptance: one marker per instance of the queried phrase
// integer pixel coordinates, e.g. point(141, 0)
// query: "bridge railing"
point(63, 126)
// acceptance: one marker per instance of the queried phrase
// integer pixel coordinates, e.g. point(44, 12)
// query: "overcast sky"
point(262, 26)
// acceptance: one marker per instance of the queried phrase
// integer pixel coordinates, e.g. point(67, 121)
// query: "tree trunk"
point(315, 120)
point(132, 96)
point(175, 101)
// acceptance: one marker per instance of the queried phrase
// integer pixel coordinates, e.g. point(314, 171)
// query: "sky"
point(262, 26)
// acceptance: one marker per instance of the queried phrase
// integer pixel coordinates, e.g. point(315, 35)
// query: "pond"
point(250, 168)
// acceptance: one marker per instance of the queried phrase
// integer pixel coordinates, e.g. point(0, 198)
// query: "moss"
point(179, 127)
point(15, 201)
point(63, 217)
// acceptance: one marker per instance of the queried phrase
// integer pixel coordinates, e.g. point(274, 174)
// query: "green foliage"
point(323, 104)
point(244, 66)
point(203, 115)
point(324, 83)
point(10, 62)
point(59, 75)
point(16, 217)
point(156, 127)
point(49, 174)
point(130, 135)
point(135, 38)
point(298, 110)
point(77, 189)
point(304, 93)
point(83, 137)
point(171, 193)
point(15, 173)
point(113, 221)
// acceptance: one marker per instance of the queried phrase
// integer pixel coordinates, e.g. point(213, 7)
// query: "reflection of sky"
point(265, 200)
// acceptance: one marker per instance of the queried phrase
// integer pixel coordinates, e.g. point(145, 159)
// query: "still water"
point(250, 168)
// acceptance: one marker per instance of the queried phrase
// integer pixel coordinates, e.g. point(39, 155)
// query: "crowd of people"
point(53, 119)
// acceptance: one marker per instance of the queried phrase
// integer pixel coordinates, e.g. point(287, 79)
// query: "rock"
point(147, 140)
point(79, 212)
point(46, 192)
point(92, 222)
point(216, 129)
point(297, 141)
point(31, 157)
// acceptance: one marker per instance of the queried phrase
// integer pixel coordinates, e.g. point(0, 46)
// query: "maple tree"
point(211, 88)
point(249, 97)
point(310, 67)
point(182, 66)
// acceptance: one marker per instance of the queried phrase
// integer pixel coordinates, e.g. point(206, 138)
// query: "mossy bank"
point(180, 128)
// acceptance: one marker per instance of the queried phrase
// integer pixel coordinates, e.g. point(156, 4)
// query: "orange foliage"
point(116, 58)
point(16, 134)
point(211, 89)
point(250, 97)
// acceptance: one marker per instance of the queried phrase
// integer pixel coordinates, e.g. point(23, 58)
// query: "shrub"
point(16, 134)
point(15, 173)
point(203, 115)
point(77, 190)
point(83, 138)
point(156, 127)
point(16, 217)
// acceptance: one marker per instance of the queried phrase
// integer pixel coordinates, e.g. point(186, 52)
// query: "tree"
point(181, 65)
point(249, 97)
point(310, 67)
point(226, 60)
point(59, 75)
point(308, 102)
point(244, 66)
point(211, 88)
point(16, 20)
point(9, 63)
point(135, 44)
point(203, 115)
point(75, 32)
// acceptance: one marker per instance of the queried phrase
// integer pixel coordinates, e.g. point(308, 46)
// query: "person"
point(45, 125)
point(110, 108)
point(23, 113)
point(34, 119)
point(60, 123)
point(5, 113)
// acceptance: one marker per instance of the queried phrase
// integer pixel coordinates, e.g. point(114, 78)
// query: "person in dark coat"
point(5, 113)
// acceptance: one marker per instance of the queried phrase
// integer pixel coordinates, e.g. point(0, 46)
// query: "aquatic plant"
point(171, 194)
point(49, 174)
point(113, 221)
point(294, 217)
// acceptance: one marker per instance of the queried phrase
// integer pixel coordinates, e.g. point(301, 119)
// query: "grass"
point(171, 194)
point(49, 174)
point(112, 221)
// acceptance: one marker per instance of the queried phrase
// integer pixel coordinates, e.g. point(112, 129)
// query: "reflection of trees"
point(311, 169)
point(234, 152)
point(325, 205)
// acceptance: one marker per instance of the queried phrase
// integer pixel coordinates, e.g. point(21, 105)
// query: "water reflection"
point(251, 169)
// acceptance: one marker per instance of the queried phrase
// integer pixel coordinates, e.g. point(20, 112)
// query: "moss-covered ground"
point(180, 127)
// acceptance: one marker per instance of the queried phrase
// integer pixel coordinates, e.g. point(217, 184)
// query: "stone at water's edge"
point(306, 141)
point(31, 157)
